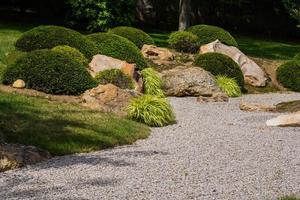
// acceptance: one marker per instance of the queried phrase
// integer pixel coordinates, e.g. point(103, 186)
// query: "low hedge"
point(288, 75)
point(183, 41)
point(115, 77)
point(50, 72)
point(47, 37)
point(118, 47)
point(220, 64)
point(74, 53)
point(207, 34)
point(137, 36)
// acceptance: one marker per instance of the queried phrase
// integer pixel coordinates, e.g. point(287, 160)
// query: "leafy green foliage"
point(118, 47)
point(51, 72)
point(220, 64)
point(115, 77)
point(297, 56)
point(207, 34)
point(152, 82)
point(72, 52)
point(47, 37)
point(183, 41)
point(289, 198)
point(12, 56)
point(137, 36)
point(62, 128)
point(2, 70)
point(288, 75)
point(229, 86)
point(100, 15)
point(151, 110)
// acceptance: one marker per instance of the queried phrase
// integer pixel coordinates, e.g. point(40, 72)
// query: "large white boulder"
point(253, 74)
point(292, 119)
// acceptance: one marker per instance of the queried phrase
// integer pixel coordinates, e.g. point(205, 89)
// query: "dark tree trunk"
point(184, 14)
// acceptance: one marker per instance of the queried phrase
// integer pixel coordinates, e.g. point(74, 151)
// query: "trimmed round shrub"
point(115, 77)
point(288, 75)
point(220, 64)
point(137, 36)
point(12, 56)
point(50, 72)
point(151, 110)
point(229, 86)
point(297, 56)
point(152, 82)
point(207, 34)
point(47, 37)
point(118, 47)
point(72, 52)
point(183, 41)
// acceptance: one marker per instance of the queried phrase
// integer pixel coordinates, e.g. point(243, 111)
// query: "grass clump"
point(152, 82)
point(118, 47)
point(50, 72)
point(288, 75)
point(289, 198)
point(47, 37)
point(115, 77)
point(63, 128)
point(207, 34)
point(137, 36)
point(220, 64)
point(183, 41)
point(151, 110)
point(72, 52)
point(229, 86)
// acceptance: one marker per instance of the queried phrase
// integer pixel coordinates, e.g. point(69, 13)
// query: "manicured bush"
point(137, 36)
point(115, 77)
point(47, 37)
point(207, 34)
point(151, 110)
point(183, 41)
point(152, 82)
point(118, 47)
point(70, 51)
point(229, 86)
point(297, 56)
point(288, 75)
point(220, 64)
point(12, 56)
point(51, 72)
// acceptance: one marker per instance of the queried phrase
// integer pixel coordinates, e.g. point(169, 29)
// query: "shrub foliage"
point(118, 47)
point(297, 56)
point(47, 37)
point(151, 110)
point(220, 64)
point(115, 77)
point(51, 72)
point(207, 34)
point(72, 52)
point(229, 86)
point(183, 41)
point(288, 75)
point(137, 36)
point(152, 82)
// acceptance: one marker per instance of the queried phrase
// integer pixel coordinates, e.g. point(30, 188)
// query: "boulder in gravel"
point(14, 156)
point(160, 56)
point(253, 74)
point(216, 97)
point(101, 62)
point(251, 107)
point(189, 81)
point(292, 119)
point(19, 84)
point(108, 98)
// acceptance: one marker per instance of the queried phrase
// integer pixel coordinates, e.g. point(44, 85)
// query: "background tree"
point(184, 14)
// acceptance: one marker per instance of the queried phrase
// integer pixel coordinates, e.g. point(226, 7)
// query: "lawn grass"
point(63, 128)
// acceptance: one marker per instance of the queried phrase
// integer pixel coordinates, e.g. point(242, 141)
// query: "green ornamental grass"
point(151, 110)
point(152, 82)
point(229, 86)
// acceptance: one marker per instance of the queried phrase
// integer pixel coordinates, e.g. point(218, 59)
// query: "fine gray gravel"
point(215, 151)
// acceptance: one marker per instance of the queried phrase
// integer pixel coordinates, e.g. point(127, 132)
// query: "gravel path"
point(214, 152)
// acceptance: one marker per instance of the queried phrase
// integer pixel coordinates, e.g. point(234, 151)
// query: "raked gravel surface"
point(215, 151)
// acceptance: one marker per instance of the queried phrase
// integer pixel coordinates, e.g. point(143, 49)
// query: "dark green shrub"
point(297, 56)
point(115, 77)
point(207, 34)
point(47, 37)
point(137, 36)
point(74, 53)
point(288, 75)
point(220, 64)
point(12, 56)
point(183, 41)
point(118, 47)
point(51, 72)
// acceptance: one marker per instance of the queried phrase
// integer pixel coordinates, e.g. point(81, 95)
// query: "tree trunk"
point(184, 14)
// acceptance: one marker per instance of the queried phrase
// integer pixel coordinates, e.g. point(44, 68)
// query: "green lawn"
point(63, 128)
